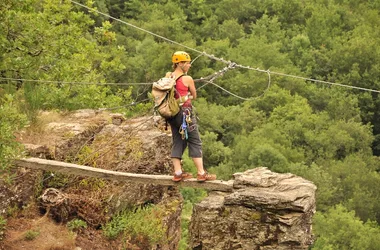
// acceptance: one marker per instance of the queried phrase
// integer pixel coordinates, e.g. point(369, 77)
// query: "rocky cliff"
point(102, 140)
point(265, 210)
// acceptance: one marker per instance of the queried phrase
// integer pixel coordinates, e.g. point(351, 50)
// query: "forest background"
point(325, 133)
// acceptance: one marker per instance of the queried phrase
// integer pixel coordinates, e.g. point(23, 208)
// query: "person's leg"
point(195, 144)
point(177, 165)
point(198, 162)
point(179, 175)
point(202, 175)
point(195, 149)
point(178, 148)
point(195, 152)
point(178, 145)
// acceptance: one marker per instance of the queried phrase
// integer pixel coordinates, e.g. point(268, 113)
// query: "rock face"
point(266, 211)
point(103, 140)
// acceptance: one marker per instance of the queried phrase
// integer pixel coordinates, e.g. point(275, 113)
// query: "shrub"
point(190, 196)
point(10, 121)
point(76, 225)
point(31, 234)
point(3, 223)
point(144, 222)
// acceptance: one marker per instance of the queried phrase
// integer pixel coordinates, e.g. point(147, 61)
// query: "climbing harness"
point(183, 129)
point(185, 126)
point(182, 99)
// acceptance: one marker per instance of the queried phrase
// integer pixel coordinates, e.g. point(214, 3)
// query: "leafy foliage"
point(327, 134)
point(339, 228)
point(31, 234)
point(3, 223)
point(191, 196)
point(143, 222)
point(10, 121)
point(76, 225)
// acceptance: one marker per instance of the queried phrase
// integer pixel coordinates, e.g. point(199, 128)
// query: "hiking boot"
point(206, 177)
point(182, 176)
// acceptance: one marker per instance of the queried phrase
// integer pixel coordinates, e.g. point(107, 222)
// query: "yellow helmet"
point(180, 56)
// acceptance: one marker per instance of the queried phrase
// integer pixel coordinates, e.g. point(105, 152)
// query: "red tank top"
point(183, 91)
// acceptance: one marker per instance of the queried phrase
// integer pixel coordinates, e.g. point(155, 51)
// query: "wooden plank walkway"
point(74, 169)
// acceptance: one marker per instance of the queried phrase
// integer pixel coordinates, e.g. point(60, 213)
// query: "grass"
point(76, 225)
point(3, 223)
point(31, 234)
point(143, 223)
point(190, 196)
point(35, 132)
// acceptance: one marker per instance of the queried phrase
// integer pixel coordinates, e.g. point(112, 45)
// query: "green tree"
point(11, 120)
point(340, 229)
point(51, 43)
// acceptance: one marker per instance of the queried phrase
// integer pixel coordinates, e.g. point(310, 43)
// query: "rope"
point(151, 33)
point(231, 65)
point(212, 77)
point(192, 61)
point(331, 83)
point(242, 98)
point(221, 59)
point(310, 79)
point(125, 106)
point(65, 82)
point(133, 26)
point(221, 73)
point(205, 79)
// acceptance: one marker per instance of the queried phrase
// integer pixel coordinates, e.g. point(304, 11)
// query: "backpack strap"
point(171, 75)
point(176, 78)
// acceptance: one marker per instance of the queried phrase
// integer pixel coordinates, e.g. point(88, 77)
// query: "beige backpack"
point(163, 95)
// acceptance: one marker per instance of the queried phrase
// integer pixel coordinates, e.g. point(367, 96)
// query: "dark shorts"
point(193, 141)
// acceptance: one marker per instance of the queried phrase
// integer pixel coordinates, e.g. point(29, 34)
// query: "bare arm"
point(189, 82)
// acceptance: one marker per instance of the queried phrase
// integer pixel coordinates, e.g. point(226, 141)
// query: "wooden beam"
point(74, 169)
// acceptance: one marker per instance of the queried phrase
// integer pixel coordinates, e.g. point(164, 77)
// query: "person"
point(183, 125)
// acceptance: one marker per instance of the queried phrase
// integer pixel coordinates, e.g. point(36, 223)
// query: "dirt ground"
point(134, 147)
point(38, 232)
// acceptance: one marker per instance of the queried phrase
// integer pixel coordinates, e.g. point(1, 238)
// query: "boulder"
point(107, 141)
point(267, 210)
